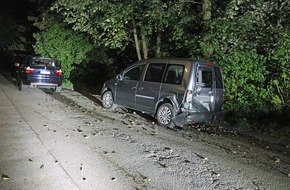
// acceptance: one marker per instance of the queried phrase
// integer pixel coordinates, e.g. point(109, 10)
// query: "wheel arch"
point(167, 99)
point(106, 89)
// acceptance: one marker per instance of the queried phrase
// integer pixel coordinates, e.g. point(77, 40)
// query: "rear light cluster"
point(58, 72)
point(209, 64)
point(29, 70)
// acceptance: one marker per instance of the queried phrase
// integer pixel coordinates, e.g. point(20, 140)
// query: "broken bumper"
point(197, 117)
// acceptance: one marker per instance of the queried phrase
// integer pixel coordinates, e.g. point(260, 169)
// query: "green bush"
point(244, 76)
point(279, 69)
point(61, 42)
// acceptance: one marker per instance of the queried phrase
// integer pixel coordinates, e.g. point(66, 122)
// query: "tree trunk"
point(145, 47)
point(206, 16)
point(137, 45)
point(158, 44)
point(206, 10)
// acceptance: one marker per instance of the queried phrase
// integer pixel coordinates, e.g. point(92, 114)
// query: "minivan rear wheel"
point(108, 101)
point(164, 115)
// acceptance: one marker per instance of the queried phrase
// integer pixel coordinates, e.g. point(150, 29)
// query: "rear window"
point(204, 77)
point(43, 62)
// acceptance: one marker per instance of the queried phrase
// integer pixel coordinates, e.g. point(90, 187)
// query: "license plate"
point(45, 72)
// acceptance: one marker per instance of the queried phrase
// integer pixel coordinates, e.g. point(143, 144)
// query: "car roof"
point(174, 60)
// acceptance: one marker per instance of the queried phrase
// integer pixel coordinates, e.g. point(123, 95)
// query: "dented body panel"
point(193, 88)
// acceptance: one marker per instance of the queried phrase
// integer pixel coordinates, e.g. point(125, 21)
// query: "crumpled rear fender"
point(168, 99)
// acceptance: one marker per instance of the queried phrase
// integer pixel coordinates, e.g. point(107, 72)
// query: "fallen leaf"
point(5, 177)
point(154, 133)
point(87, 123)
point(215, 173)
point(42, 166)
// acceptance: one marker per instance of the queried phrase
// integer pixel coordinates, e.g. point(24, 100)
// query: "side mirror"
point(119, 77)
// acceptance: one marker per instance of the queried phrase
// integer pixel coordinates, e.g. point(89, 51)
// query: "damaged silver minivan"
point(176, 91)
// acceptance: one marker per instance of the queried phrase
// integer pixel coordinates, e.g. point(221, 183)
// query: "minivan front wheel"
point(108, 101)
point(164, 115)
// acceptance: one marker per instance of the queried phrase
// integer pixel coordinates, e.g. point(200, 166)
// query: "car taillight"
point(58, 72)
point(29, 70)
point(209, 64)
point(189, 96)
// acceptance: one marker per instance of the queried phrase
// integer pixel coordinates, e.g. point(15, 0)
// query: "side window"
point(174, 74)
point(154, 72)
point(204, 77)
point(134, 73)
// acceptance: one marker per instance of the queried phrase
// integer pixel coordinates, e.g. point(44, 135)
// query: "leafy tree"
point(66, 45)
point(117, 24)
point(248, 38)
point(13, 34)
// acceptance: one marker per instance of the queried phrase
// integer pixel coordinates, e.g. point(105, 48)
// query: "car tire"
point(108, 101)
point(164, 115)
point(22, 87)
point(57, 89)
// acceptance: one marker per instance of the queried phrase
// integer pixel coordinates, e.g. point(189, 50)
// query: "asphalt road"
point(52, 141)
point(38, 152)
